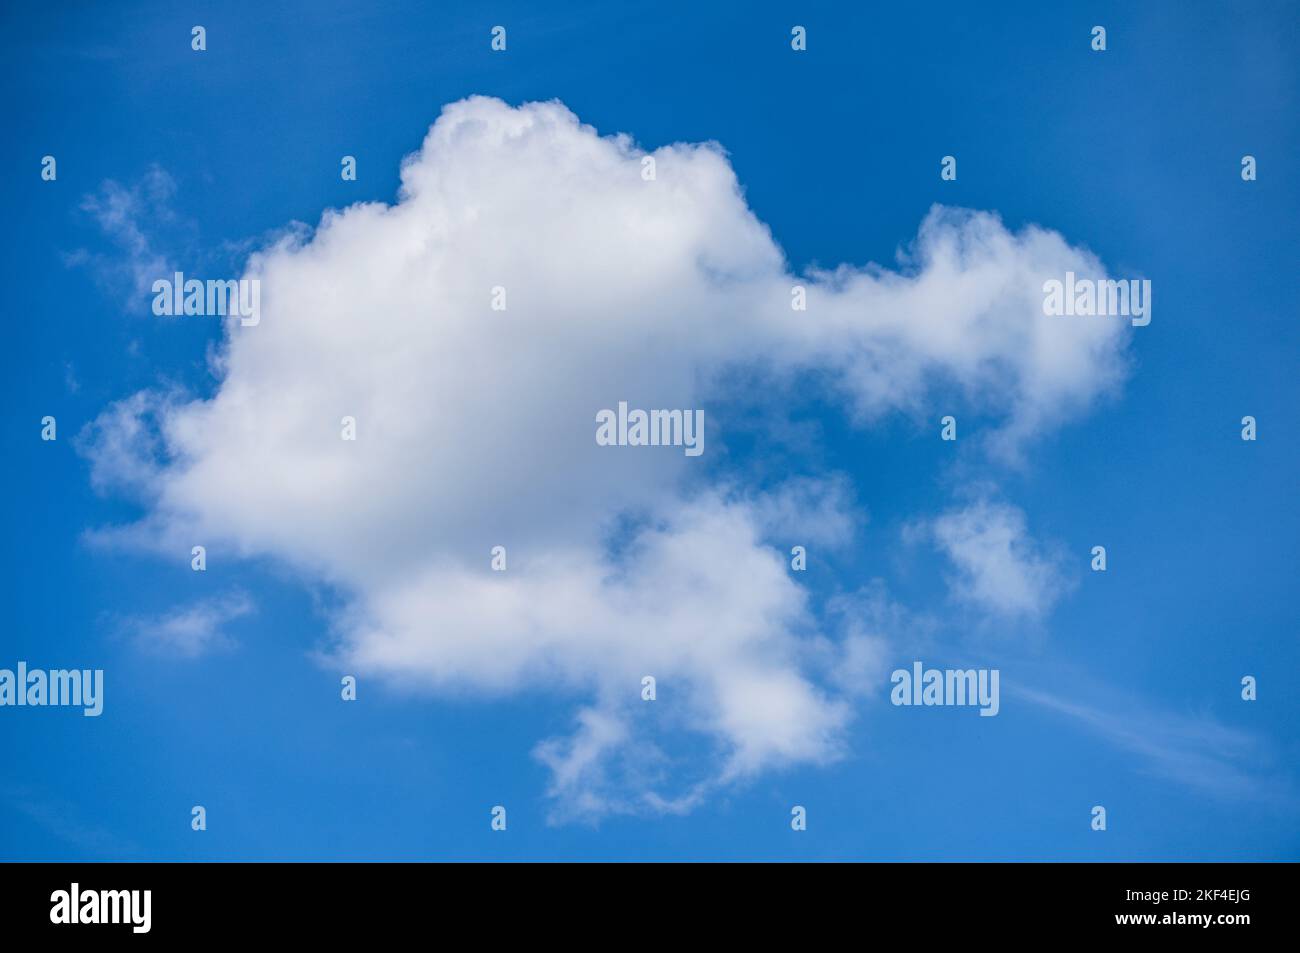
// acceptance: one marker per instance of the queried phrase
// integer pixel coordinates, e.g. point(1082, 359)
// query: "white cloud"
point(476, 427)
point(124, 215)
point(193, 630)
point(1000, 568)
point(1195, 750)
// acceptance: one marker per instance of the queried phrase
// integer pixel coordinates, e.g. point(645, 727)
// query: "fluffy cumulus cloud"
point(999, 566)
point(475, 428)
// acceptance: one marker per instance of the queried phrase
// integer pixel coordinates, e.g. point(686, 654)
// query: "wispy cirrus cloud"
point(1197, 751)
point(191, 630)
point(128, 216)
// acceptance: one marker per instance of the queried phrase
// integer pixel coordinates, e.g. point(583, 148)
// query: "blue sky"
point(1122, 690)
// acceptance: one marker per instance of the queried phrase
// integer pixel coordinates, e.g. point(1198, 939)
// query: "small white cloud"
point(869, 623)
point(1000, 568)
point(125, 215)
point(190, 631)
point(579, 764)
